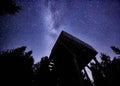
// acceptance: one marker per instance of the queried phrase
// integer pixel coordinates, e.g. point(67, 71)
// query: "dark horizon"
point(65, 66)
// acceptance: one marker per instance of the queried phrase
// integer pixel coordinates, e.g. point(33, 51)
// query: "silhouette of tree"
point(8, 7)
point(107, 72)
point(115, 49)
point(16, 67)
point(42, 72)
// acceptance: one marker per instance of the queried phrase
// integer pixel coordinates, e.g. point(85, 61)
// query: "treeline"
point(17, 67)
point(107, 71)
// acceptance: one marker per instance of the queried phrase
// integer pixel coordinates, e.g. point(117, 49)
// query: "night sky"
point(38, 24)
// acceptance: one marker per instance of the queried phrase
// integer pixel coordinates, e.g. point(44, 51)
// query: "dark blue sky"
point(38, 24)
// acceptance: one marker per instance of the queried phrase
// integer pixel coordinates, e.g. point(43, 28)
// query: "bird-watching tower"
point(70, 55)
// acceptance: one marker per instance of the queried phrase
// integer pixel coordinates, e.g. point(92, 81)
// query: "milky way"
point(53, 14)
point(40, 22)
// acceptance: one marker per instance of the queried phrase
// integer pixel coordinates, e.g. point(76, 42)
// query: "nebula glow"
point(39, 23)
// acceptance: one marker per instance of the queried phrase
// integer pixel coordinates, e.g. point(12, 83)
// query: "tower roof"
point(68, 46)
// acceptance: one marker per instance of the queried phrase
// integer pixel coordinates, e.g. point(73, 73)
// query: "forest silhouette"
point(17, 67)
point(8, 7)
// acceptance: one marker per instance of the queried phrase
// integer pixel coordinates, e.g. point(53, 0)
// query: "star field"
point(38, 24)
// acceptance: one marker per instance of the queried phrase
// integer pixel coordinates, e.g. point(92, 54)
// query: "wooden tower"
point(69, 56)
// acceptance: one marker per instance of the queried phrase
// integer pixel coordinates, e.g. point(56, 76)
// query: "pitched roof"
point(68, 46)
point(73, 38)
point(66, 36)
